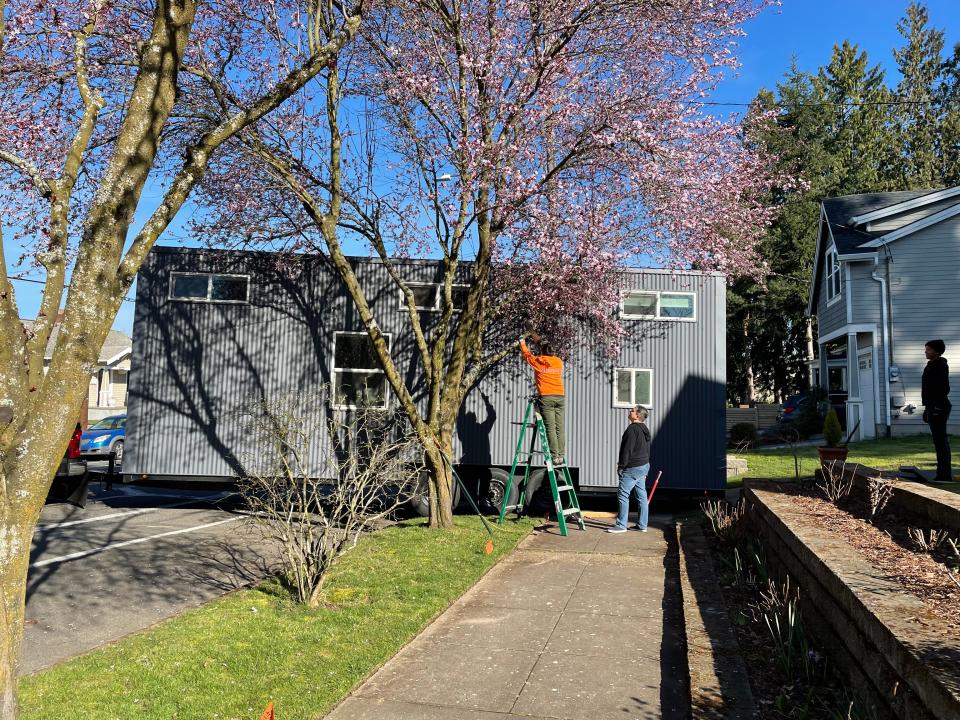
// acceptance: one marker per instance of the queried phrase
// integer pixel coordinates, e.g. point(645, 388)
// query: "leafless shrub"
point(723, 516)
point(953, 568)
point(833, 484)
point(316, 483)
point(879, 492)
point(927, 541)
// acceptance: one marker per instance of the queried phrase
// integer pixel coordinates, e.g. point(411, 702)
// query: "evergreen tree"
point(918, 115)
point(858, 132)
point(948, 138)
point(766, 324)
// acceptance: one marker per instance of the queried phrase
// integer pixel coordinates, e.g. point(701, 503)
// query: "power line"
point(43, 282)
point(852, 103)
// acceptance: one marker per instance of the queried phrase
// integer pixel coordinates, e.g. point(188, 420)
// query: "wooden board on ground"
point(912, 472)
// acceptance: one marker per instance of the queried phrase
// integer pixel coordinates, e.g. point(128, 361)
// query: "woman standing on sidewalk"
point(633, 464)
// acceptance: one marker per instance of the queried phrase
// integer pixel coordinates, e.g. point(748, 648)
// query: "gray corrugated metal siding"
point(196, 366)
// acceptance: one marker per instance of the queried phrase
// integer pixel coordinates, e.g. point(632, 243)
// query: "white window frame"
point(657, 316)
point(436, 296)
point(360, 371)
point(633, 386)
point(207, 299)
point(831, 270)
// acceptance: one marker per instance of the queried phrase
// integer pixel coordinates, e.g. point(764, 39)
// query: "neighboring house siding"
point(834, 315)
point(925, 274)
point(894, 222)
point(866, 309)
point(198, 366)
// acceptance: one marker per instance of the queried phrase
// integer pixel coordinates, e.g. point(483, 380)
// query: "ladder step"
point(561, 488)
point(572, 511)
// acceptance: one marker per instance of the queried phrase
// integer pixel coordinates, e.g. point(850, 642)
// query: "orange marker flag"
point(268, 713)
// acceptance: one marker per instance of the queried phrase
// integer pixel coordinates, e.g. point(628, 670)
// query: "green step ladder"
point(564, 495)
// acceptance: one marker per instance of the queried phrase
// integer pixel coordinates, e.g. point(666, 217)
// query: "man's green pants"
point(551, 409)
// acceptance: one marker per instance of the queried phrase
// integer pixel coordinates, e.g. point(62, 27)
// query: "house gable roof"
point(845, 218)
point(115, 347)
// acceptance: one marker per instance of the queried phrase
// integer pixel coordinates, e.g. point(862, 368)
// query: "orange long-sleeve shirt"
point(547, 371)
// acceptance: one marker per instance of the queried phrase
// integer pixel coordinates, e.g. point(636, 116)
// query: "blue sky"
point(804, 29)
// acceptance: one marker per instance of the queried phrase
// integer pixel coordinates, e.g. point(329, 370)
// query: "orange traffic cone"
point(268, 713)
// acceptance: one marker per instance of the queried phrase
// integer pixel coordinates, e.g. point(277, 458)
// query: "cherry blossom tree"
point(533, 147)
point(98, 98)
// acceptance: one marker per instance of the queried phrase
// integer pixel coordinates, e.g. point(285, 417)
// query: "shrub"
point(831, 429)
point(743, 435)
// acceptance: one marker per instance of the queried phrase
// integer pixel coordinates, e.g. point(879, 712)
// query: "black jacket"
point(634, 447)
point(935, 384)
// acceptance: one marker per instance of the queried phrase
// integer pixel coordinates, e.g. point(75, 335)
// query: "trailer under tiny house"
point(216, 330)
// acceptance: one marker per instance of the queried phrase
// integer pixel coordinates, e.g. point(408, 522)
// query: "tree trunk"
point(749, 390)
point(18, 518)
point(441, 484)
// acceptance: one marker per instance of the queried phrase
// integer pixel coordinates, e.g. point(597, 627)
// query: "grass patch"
point(883, 454)
point(227, 659)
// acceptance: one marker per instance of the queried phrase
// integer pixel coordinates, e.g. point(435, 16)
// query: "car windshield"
point(109, 423)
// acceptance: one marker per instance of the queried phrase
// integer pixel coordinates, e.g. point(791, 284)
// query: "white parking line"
point(141, 511)
point(112, 546)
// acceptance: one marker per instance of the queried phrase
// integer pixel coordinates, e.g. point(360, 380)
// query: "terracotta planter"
point(830, 455)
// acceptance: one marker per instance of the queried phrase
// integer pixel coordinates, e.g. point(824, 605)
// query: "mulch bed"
point(776, 695)
point(887, 546)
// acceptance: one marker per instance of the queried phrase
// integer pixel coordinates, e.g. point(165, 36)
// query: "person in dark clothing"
point(633, 464)
point(934, 389)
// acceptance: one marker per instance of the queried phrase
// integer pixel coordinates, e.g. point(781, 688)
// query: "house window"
point(676, 306)
point(832, 267)
point(358, 379)
point(649, 305)
point(837, 379)
point(640, 305)
point(209, 287)
point(632, 386)
point(429, 296)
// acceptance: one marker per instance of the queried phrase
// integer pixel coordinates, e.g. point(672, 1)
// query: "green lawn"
point(885, 453)
point(229, 658)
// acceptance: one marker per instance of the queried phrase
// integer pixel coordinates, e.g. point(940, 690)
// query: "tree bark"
point(749, 390)
point(441, 486)
point(15, 537)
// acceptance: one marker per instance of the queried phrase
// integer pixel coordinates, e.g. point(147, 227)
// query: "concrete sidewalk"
point(585, 627)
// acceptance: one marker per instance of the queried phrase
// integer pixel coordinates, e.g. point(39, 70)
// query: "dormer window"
point(832, 271)
point(429, 296)
point(209, 287)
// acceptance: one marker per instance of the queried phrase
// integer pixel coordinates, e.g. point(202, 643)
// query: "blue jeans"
point(633, 479)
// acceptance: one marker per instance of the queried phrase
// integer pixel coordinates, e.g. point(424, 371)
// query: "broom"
point(488, 547)
point(654, 488)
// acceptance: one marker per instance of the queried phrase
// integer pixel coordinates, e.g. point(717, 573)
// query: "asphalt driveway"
point(132, 557)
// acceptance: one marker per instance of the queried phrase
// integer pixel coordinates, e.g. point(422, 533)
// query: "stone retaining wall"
point(884, 641)
point(931, 505)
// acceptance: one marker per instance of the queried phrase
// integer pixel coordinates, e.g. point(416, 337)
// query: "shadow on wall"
point(474, 434)
point(203, 365)
point(689, 441)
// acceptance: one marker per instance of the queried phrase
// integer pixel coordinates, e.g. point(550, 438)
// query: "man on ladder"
point(548, 375)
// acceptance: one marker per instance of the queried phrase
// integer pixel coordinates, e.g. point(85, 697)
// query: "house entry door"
point(868, 410)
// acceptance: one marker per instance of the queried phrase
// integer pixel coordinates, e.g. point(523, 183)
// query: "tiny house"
point(214, 330)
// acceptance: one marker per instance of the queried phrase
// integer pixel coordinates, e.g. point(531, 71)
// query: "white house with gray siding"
point(215, 331)
point(885, 280)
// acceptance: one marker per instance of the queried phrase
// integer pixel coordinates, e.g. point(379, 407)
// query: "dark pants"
point(937, 419)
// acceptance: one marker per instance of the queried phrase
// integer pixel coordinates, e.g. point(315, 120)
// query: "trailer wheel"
point(420, 500)
point(497, 483)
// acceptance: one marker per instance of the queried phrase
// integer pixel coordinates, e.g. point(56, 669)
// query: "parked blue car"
point(105, 436)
